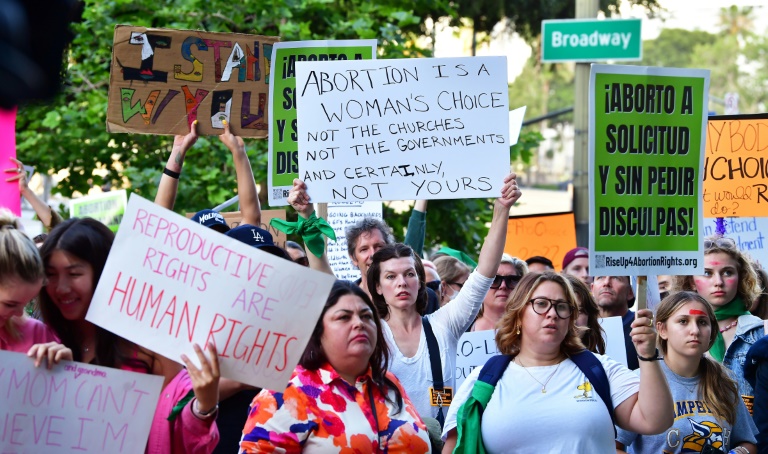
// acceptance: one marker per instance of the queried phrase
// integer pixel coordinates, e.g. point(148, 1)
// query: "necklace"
point(680, 382)
point(543, 385)
point(729, 326)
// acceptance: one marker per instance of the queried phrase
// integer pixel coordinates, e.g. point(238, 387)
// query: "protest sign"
point(747, 233)
point(10, 197)
point(547, 235)
point(235, 218)
point(75, 407)
point(283, 147)
point(735, 166)
point(169, 283)
point(162, 80)
point(473, 350)
point(107, 208)
point(647, 131)
point(403, 129)
point(340, 216)
point(613, 335)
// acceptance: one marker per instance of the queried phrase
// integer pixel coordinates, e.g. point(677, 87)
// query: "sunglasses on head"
point(509, 281)
point(722, 242)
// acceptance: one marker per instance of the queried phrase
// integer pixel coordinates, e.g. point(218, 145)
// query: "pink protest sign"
point(74, 408)
point(9, 191)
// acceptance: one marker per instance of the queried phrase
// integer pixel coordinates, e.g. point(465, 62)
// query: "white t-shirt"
point(569, 418)
point(448, 323)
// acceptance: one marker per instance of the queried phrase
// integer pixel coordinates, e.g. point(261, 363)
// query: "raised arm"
point(246, 185)
point(169, 180)
point(417, 227)
point(648, 411)
point(493, 246)
point(43, 211)
point(299, 200)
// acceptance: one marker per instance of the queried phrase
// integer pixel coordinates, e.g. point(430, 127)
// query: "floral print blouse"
point(320, 412)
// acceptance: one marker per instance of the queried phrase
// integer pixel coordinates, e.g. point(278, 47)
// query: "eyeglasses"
point(509, 281)
point(541, 306)
point(457, 284)
point(722, 242)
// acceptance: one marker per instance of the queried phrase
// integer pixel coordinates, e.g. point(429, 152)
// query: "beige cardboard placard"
point(161, 80)
point(235, 218)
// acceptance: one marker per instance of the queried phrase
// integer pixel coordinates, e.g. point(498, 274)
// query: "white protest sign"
point(340, 216)
point(403, 129)
point(516, 124)
point(613, 335)
point(74, 408)
point(170, 282)
point(747, 233)
point(473, 350)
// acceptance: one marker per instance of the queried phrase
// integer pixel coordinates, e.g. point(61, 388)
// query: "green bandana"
point(180, 405)
point(311, 231)
point(733, 309)
point(470, 439)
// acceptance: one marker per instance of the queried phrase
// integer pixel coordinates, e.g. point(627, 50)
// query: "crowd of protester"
point(378, 373)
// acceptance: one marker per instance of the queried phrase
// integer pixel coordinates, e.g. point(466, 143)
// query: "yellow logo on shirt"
point(586, 391)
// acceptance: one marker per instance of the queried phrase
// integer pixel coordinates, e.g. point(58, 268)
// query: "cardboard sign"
point(748, 235)
point(736, 167)
point(74, 408)
point(340, 216)
point(547, 235)
point(235, 218)
point(613, 335)
point(169, 283)
point(10, 197)
point(647, 131)
point(162, 80)
point(473, 350)
point(403, 129)
point(107, 208)
point(283, 146)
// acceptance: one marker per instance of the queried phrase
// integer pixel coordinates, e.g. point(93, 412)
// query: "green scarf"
point(469, 418)
point(311, 231)
point(733, 309)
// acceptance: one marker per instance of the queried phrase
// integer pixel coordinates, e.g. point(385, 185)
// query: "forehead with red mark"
point(696, 312)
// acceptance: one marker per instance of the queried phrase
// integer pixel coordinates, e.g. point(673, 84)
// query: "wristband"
point(655, 357)
point(206, 414)
point(171, 173)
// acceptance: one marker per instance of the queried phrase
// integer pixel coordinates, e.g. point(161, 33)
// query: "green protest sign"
point(646, 145)
point(107, 208)
point(283, 146)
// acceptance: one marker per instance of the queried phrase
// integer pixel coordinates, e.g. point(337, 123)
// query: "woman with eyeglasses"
point(453, 274)
point(730, 284)
point(511, 270)
point(544, 401)
point(397, 283)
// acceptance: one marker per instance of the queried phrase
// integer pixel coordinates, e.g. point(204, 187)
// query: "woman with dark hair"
point(542, 391)
point(708, 409)
point(341, 398)
point(74, 256)
point(589, 315)
point(398, 288)
point(730, 284)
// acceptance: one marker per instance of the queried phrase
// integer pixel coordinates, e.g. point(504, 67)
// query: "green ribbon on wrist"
point(176, 411)
point(311, 231)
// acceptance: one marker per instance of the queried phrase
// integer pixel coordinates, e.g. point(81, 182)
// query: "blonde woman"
point(21, 278)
